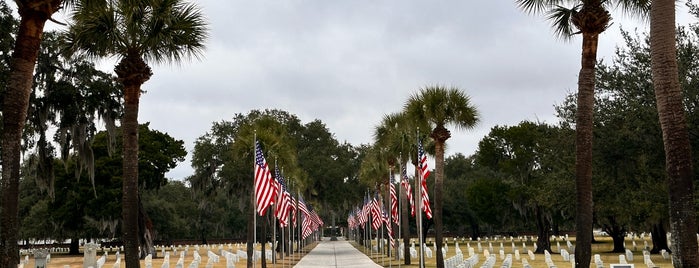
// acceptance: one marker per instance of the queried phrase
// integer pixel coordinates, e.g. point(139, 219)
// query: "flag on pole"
point(302, 207)
point(265, 191)
point(424, 173)
point(389, 229)
point(408, 190)
point(365, 210)
point(394, 201)
point(376, 213)
point(293, 210)
point(284, 205)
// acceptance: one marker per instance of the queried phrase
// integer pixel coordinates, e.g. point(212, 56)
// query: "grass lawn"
point(603, 247)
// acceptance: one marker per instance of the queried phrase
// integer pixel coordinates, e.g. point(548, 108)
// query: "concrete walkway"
point(335, 254)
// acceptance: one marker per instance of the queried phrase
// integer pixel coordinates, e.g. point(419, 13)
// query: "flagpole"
point(274, 224)
point(254, 199)
point(418, 196)
point(400, 211)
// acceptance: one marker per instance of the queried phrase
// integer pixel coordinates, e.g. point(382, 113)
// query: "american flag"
point(376, 213)
point(389, 230)
point(424, 173)
point(365, 210)
point(265, 187)
point(394, 201)
point(408, 190)
point(284, 203)
point(306, 227)
point(293, 210)
point(302, 207)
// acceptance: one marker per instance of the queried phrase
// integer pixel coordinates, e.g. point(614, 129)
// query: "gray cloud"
point(348, 63)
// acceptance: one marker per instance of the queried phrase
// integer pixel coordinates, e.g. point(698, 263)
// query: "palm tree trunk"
point(251, 230)
point(129, 126)
point(678, 158)
point(14, 109)
point(583, 151)
point(405, 224)
point(438, 185)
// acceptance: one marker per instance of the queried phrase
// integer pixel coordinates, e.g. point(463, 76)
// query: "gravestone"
point(565, 255)
point(40, 258)
point(149, 261)
point(622, 259)
point(90, 255)
point(665, 254)
point(629, 255)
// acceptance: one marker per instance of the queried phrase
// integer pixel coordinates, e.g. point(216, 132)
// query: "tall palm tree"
point(437, 107)
point(589, 18)
point(33, 16)
point(136, 32)
point(678, 157)
point(397, 136)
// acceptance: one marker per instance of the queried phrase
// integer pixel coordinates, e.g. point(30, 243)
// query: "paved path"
point(335, 254)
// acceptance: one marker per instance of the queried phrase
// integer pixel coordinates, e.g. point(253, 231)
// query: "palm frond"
point(177, 32)
point(634, 8)
point(541, 6)
point(561, 21)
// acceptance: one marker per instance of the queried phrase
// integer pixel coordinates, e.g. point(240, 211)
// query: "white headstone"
point(41, 257)
point(665, 254)
point(629, 255)
point(90, 255)
point(149, 261)
point(622, 259)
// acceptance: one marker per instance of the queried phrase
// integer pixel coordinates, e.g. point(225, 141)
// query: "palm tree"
point(394, 134)
point(437, 107)
point(678, 157)
point(33, 16)
point(589, 18)
point(136, 32)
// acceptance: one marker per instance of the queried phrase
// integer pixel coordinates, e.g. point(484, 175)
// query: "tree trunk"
point(678, 158)
point(659, 237)
point(583, 151)
point(251, 230)
point(543, 226)
point(405, 224)
point(74, 247)
point(145, 227)
point(129, 126)
point(618, 233)
point(263, 242)
point(475, 230)
point(15, 105)
point(438, 201)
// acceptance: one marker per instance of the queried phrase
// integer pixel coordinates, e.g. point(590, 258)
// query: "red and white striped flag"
point(408, 190)
point(284, 205)
point(424, 173)
point(394, 201)
point(389, 230)
point(376, 213)
point(265, 187)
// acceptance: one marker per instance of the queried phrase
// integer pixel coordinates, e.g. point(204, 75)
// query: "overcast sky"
point(350, 62)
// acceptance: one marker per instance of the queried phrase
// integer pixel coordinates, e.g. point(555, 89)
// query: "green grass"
point(603, 247)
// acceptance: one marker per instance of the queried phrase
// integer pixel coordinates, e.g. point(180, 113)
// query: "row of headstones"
point(41, 258)
point(25, 252)
point(491, 239)
point(89, 259)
